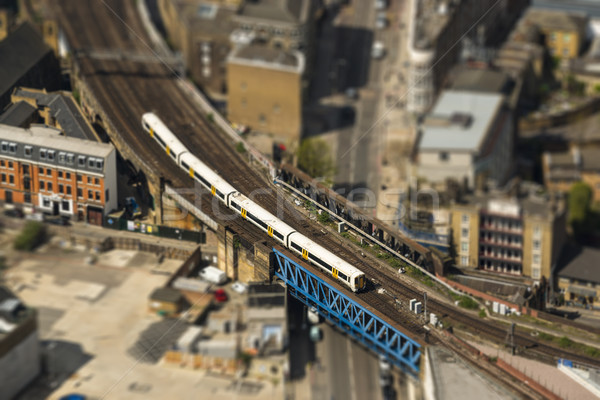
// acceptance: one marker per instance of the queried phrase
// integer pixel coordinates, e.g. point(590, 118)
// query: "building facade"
point(468, 137)
point(579, 276)
point(434, 34)
point(519, 237)
point(43, 171)
point(278, 110)
point(563, 169)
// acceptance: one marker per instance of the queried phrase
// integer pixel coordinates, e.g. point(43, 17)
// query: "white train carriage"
point(327, 261)
point(206, 177)
point(163, 136)
point(249, 210)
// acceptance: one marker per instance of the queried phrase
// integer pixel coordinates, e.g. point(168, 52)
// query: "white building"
point(468, 136)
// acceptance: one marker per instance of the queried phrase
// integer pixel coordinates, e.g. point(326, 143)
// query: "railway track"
point(128, 89)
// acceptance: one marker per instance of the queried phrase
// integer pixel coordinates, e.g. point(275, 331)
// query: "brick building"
point(563, 169)
point(520, 235)
point(44, 171)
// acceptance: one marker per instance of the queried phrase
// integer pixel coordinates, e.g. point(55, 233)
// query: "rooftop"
point(581, 263)
point(460, 121)
point(556, 20)
point(211, 19)
point(17, 114)
point(166, 294)
point(430, 18)
point(480, 80)
point(287, 11)
point(42, 136)
point(267, 57)
point(24, 48)
point(63, 109)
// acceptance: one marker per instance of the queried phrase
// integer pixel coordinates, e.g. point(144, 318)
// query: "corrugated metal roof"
point(482, 107)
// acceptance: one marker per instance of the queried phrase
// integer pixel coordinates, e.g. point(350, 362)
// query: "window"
point(48, 172)
point(536, 244)
point(60, 188)
point(96, 181)
point(79, 178)
point(3, 177)
point(444, 156)
point(79, 192)
point(46, 202)
point(49, 186)
point(465, 232)
point(465, 218)
point(67, 175)
point(65, 205)
point(51, 154)
point(536, 259)
point(464, 246)
point(81, 161)
point(26, 169)
point(2, 163)
point(537, 231)
point(68, 189)
point(12, 148)
point(60, 174)
point(10, 165)
point(535, 273)
point(70, 158)
point(27, 198)
point(43, 154)
point(262, 119)
point(106, 198)
point(99, 164)
point(566, 38)
point(62, 157)
point(91, 162)
point(97, 195)
point(4, 147)
point(11, 179)
point(42, 185)
point(28, 151)
point(89, 179)
point(27, 183)
point(90, 195)
point(464, 260)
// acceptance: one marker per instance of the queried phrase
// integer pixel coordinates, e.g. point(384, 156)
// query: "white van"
point(213, 275)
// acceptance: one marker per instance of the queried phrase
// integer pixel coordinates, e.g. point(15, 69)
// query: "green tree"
point(32, 235)
point(314, 158)
point(580, 198)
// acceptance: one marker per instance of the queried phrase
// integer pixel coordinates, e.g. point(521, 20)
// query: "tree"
point(580, 198)
point(32, 235)
point(314, 158)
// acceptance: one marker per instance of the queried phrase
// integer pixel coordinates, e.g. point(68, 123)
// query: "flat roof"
point(267, 57)
point(479, 80)
point(289, 11)
point(579, 262)
point(481, 107)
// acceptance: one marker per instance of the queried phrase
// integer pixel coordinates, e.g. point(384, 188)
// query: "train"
point(340, 270)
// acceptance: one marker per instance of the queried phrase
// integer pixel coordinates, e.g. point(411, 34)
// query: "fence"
point(154, 230)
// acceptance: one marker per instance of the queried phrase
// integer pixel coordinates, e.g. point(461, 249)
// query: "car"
point(316, 333)
point(381, 22)
point(381, 5)
point(352, 93)
point(58, 221)
point(239, 287)
point(378, 50)
point(14, 213)
point(220, 296)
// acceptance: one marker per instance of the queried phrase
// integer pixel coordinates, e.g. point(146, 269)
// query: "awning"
point(582, 291)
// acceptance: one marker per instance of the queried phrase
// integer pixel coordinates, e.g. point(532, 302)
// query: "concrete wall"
point(458, 166)
point(472, 237)
point(21, 364)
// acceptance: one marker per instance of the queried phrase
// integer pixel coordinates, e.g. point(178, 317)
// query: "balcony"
point(498, 243)
point(491, 256)
point(495, 228)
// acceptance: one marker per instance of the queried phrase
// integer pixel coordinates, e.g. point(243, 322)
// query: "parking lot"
point(96, 334)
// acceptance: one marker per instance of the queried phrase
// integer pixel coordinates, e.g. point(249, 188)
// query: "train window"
point(173, 155)
point(343, 276)
point(159, 140)
point(258, 221)
point(235, 205)
point(320, 262)
point(220, 194)
point(203, 181)
point(296, 247)
point(278, 235)
point(184, 165)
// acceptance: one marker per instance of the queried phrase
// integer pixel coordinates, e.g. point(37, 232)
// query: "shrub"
point(240, 147)
point(468, 303)
point(482, 313)
point(32, 235)
point(565, 342)
point(323, 217)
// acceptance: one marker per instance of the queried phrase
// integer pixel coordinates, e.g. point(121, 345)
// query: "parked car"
point(316, 333)
point(381, 22)
point(58, 221)
point(14, 213)
point(239, 287)
point(378, 50)
point(213, 275)
point(220, 296)
point(381, 5)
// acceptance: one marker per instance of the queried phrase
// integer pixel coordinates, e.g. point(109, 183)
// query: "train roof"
point(263, 214)
point(211, 176)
